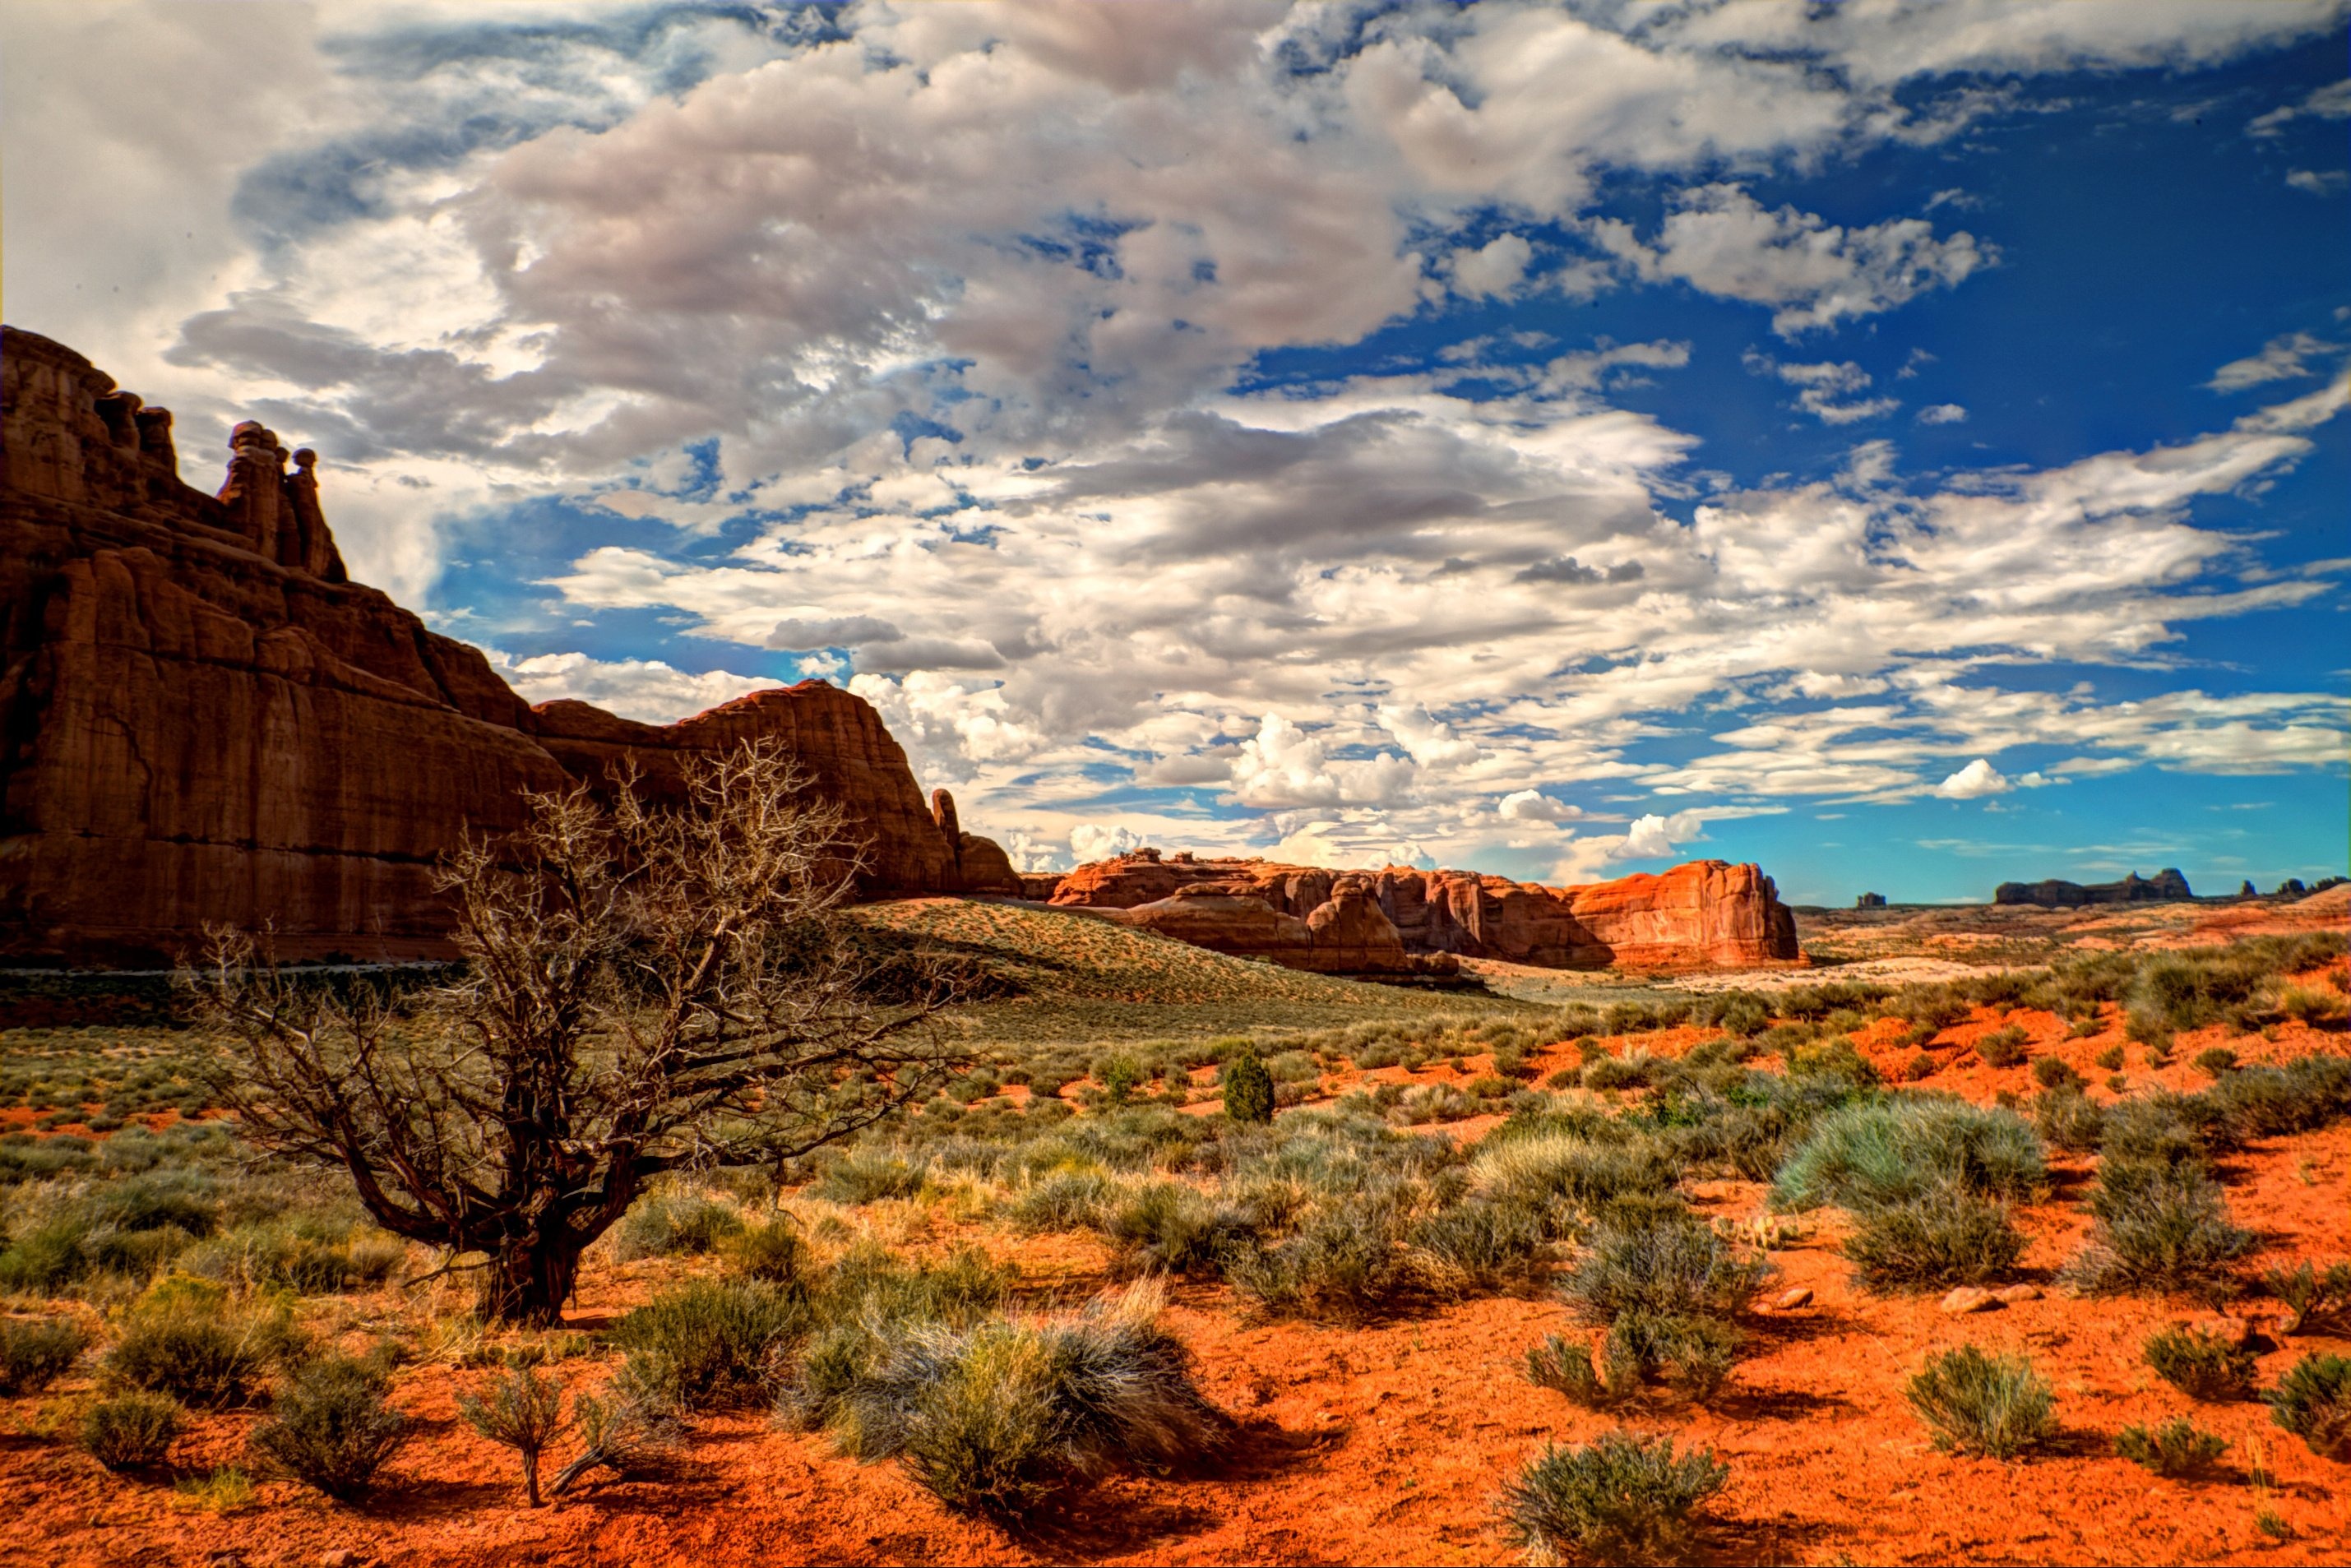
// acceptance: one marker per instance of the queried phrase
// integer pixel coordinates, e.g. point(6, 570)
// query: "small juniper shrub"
point(131, 1431)
point(1948, 1236)
point(331, 1427)
point(1977, 1404)
point(2313, 1401)
point(2312, 1295)
point(2178, 1447)
point(36, 1352)
point(1249, 1088)
point(1620, 1499)
point(2002, 1046)
point(2202, 1365)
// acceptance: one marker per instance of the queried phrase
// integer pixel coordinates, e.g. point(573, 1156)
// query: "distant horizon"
point(1897, 450)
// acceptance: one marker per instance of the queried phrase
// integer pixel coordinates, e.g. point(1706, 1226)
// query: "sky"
point(1902, 444)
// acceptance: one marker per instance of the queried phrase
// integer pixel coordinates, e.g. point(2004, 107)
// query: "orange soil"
point(1388, 1443)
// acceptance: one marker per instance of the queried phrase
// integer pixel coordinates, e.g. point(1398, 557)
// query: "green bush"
point(1976, 1403)
point(131, 1431)
point(522, 1411)
point(184, 1338)
point(2002, 1046)
point(1249, 1088)
point(712, 1345)
point(1065, 1200)
point(675, 1227)
point(1664, 1263)
point(2200, 1364)
point(309, 1254)
point(36, 1352)
point(998, 1418)
point(1690, 1354)
point(331, 1427)
point(868, 1178)
point(1169, 1226)
point(1621, 1499)
point(2313, 1294)
point(1480, 1245)
point(2159, 1228)
point(1897, 1147)
point(2069, 1119)
point(2178, 1448)
point(773, 1251)
point(2313, 1401)
point(1346, 1264)
point(1948, 1236)
point(2051, 1074)
point(2216, 1061)
point(1566, 1366)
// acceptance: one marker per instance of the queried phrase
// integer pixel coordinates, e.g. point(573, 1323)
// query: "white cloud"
point(1650, 836)
point(1494, 270)
point(646, 690)
point(1821, 386)
point(2317, 182)
point(2282, 359)
point(1720, 240)
point(1976, 780)
point(1091, 842)
point(2331, 101)
point(1534, 806)
point(1942, 413)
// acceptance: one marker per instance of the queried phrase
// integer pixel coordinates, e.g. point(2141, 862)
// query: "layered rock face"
point(203, 720)
point(2167, 887)
point(1706, 915)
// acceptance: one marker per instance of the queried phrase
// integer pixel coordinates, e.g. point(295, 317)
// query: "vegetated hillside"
point(1440, 1307)
point(1049, 973)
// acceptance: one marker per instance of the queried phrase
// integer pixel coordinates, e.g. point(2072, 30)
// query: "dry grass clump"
point(1977, 1404)
point(2160, 1228)
point(1901, 1146)
point(1620, 1499)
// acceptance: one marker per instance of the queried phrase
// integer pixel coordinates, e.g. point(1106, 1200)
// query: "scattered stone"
point(2015, 1293)
point(1789, 1300)
point(1970, 1299)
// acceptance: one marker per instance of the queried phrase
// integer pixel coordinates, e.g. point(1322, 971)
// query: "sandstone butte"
point(203, 720)
point(1705, 915)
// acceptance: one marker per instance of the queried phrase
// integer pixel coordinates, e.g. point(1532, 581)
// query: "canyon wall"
point(1705, 915)
point(203, 720)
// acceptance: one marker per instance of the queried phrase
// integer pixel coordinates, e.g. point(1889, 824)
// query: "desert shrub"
point(1621, 1499)
point(1586, 1173)
point(711, 1344)
point(2178, 1448)
point(2159, 1228)
point(1664, 1263)
point(1169, 1225)
point(1345, 1263)
point(1947, 1237)
point(2308, 1092)
point(309, 1254)
point(36, 1352)
point(2200, 1364)
point(1248, 1088)
point(1427, 1103)
point(131, 1431)
point(2002, 1046)
point(869, 1178)
point(684, 1226)
point(2149, 1029)
point(1566, 1365)
point(1065, 1200)
point(331, 1427)
point(2216, 1061)
point(772, 1252)
point(2110, 1056)
point(998, 1418)
point(2306, 1004)
point(2069, 1119)
point(184, 1338)
point(1897, 1147)
point(1691, 1353)
point(522, 1411)
point(2313, 1401)
point(1976, 1403)
point(2310, 1294)
point(2051, 1074)
point(1479, 1245)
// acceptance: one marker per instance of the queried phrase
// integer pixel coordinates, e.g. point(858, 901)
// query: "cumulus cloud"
point(1494, 270)
point(1828, 391)
point(1534, 806)
point(1092, 841)
point(1974, 781)
point(1942, 413)
point(646, 690)
point(1720, 240)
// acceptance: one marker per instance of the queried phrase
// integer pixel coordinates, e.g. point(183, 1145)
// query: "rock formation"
point(1706, 915)
point(203, 720)
point(2167, 887)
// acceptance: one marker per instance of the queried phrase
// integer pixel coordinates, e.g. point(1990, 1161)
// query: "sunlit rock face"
point(1705, 915)
point(203, 721)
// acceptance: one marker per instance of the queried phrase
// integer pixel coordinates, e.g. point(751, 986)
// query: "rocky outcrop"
point(2167, 887)
point(203, 720)
point(1706, 915)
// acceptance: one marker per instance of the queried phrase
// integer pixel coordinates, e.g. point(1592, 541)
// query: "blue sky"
point(1898, 445)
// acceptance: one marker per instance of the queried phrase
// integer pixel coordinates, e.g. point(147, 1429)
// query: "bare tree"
point(646, 988)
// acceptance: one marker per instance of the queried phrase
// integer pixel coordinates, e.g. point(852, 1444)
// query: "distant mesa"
point(201, 720)
point(1706, 915)
point(1870, 900)
point(2167, 887)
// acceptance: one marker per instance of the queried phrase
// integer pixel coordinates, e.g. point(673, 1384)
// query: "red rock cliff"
point(1706, 915)
point(203, 720)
